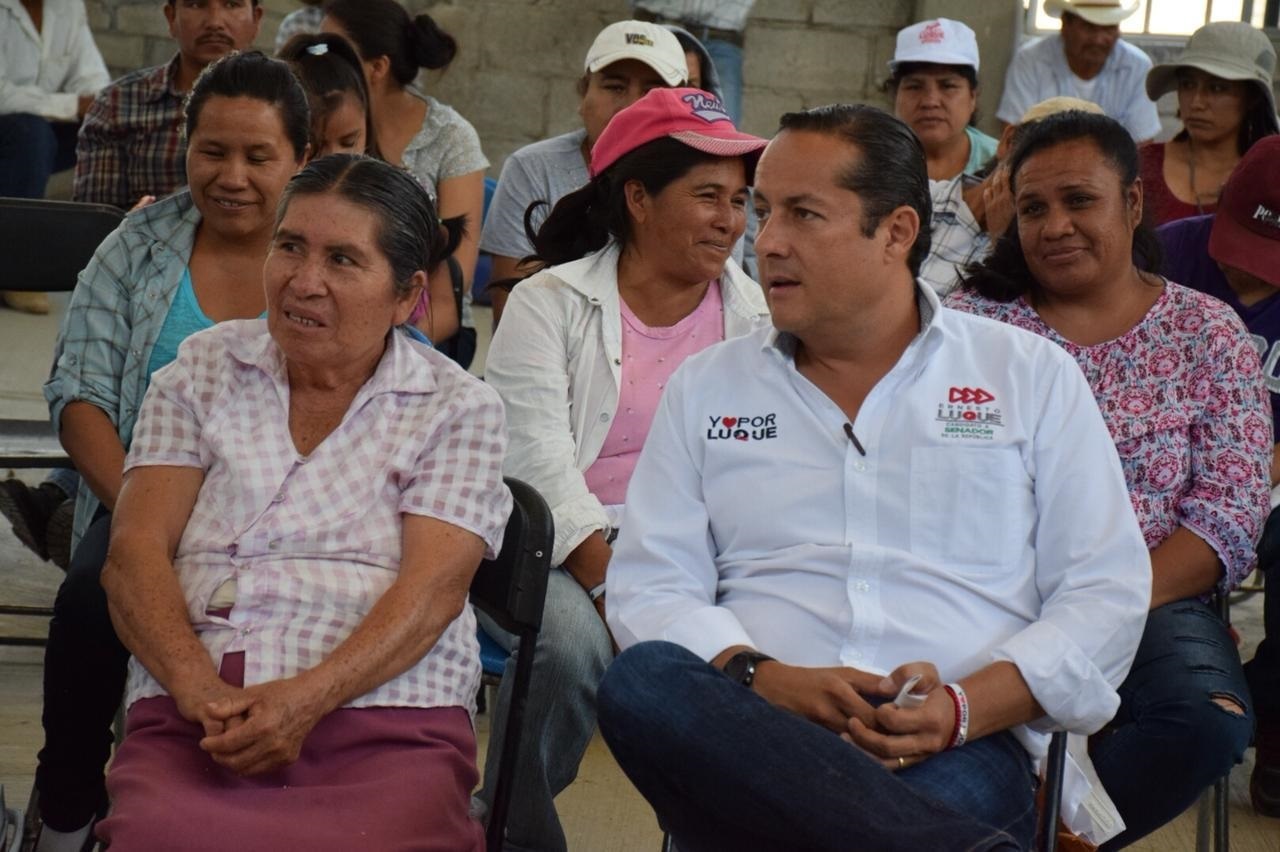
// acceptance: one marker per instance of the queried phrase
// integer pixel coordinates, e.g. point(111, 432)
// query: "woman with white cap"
point(1225, 101)
point(933, 78)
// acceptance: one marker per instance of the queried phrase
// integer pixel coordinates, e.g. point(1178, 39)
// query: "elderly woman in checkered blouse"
point(305, 501)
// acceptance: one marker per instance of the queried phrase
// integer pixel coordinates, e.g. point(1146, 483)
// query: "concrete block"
point(562, 106)
point(122, 53)
point(147, 19)
point(893, 14)
point(831, 59)
point(536, 43)
point(266, 40)
point(99, 15)
point(780, 10)
point(763, 107)
point(512, 102)
point(463, 23)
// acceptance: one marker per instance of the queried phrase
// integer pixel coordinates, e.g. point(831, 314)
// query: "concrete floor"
point(601, 812)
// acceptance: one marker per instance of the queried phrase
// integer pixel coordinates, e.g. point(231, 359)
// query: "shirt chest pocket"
point(971, 508)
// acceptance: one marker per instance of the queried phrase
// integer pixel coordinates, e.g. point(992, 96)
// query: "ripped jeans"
point(1170, 740)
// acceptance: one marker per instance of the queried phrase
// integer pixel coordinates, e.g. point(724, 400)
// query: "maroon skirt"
point(384, 778)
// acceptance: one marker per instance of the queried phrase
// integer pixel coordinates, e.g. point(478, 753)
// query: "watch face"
point(741, 667)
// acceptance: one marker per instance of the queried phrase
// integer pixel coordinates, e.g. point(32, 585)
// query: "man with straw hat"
point(1087, 60)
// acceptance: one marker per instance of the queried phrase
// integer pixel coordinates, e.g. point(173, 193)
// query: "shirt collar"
point(403, 368)
point(162, 81)
point(927, 302)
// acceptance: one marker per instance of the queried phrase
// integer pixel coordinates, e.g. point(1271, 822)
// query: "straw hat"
point(1104, 13)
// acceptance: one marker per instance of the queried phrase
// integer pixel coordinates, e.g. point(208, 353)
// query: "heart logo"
point(730, 422)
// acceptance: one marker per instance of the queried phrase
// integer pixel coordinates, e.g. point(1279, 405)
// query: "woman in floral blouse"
point(1180, 387)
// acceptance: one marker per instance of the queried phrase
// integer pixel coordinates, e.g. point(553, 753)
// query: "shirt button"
point(231, 549)
point(617, 360)
point(274, 545)
point(604, 418)
point(246, 631)
point(279, 498)
point(863, 586)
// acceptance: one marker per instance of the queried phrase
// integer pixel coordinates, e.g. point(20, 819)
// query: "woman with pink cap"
point(639, 278)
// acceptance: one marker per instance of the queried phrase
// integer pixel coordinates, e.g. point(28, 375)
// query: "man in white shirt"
point(1087, 60)
point(50, 69)
point(874, 488)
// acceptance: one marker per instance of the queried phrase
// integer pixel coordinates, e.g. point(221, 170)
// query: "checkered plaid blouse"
point(314, 541)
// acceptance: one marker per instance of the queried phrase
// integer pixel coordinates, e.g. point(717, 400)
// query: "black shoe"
point(1264, 790)
point(27, 513)
point(57, 535)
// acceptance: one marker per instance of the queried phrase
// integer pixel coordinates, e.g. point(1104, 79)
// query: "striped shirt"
point(314, 541)
point(130, 143)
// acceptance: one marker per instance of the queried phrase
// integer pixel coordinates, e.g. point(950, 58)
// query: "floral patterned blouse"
point(1182, 394)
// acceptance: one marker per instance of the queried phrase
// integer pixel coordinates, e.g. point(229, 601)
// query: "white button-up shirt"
point(45, 72)
point(988, 520)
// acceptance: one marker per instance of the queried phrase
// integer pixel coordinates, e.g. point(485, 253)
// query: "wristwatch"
point(742, 666)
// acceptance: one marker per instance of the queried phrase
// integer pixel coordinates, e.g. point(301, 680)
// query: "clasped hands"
point(859, 707)
point(254, 729)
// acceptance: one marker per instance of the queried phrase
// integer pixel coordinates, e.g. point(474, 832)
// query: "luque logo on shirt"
point(706, 107)
point(760, 427)
point(966, 414)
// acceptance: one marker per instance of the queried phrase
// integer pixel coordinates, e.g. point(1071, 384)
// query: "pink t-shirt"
point(649, 357)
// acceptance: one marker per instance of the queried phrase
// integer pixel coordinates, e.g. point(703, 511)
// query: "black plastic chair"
point(511, 589)
point(47, 244)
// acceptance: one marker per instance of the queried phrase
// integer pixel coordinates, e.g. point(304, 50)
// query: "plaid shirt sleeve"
point(458, 478)
point(100, 149)
point(89, 357)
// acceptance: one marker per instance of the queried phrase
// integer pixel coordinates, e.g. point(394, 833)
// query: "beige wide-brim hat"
point(1104, 13)
point(1232, 50)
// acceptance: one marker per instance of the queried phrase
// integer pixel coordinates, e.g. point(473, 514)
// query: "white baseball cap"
point(651, 44)
point(940, 42)
point(1104, 13)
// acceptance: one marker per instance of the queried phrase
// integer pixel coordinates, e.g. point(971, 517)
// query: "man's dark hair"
point(253, 3)
point(409, 232)
point(1004, 275)
point(384, 28)
point(584, 220)
point(889, 171)
point(253, 75)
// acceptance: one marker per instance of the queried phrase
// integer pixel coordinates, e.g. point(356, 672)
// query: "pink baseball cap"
point(691, 116)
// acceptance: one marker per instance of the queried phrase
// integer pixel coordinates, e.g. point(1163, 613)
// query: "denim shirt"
point(117, 310)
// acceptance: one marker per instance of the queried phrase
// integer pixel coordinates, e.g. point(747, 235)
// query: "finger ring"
point(902, 763)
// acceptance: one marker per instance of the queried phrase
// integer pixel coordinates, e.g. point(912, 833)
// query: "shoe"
point(19, 506)
point(26, 302)
point(29, 511)
point(57, 535)
point(1264, 783)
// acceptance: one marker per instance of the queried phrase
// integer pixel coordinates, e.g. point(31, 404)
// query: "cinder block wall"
point(519, 59)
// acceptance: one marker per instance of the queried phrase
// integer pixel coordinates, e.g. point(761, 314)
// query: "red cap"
point(1246, 229)
point(691, 116)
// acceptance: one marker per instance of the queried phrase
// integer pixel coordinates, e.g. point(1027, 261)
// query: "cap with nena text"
point(691, 116)
point(1246, 228)
point(651, 44)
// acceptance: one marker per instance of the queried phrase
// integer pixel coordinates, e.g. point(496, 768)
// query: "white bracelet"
point(596, 592)
point(961, 700)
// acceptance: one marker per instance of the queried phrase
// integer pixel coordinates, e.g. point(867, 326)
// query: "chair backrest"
point(511, 588)
point(47, 243)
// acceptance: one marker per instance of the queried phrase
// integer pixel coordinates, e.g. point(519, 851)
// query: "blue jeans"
point(728, 61)
point(1263, 671)
point(725, 769)
point(31, 149)
point(1170, 740)
point(560, 715)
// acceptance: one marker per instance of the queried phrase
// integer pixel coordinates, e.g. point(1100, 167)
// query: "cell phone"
point(905, 697)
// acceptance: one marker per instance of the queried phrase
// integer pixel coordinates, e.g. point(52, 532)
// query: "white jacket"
point(556, 361)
